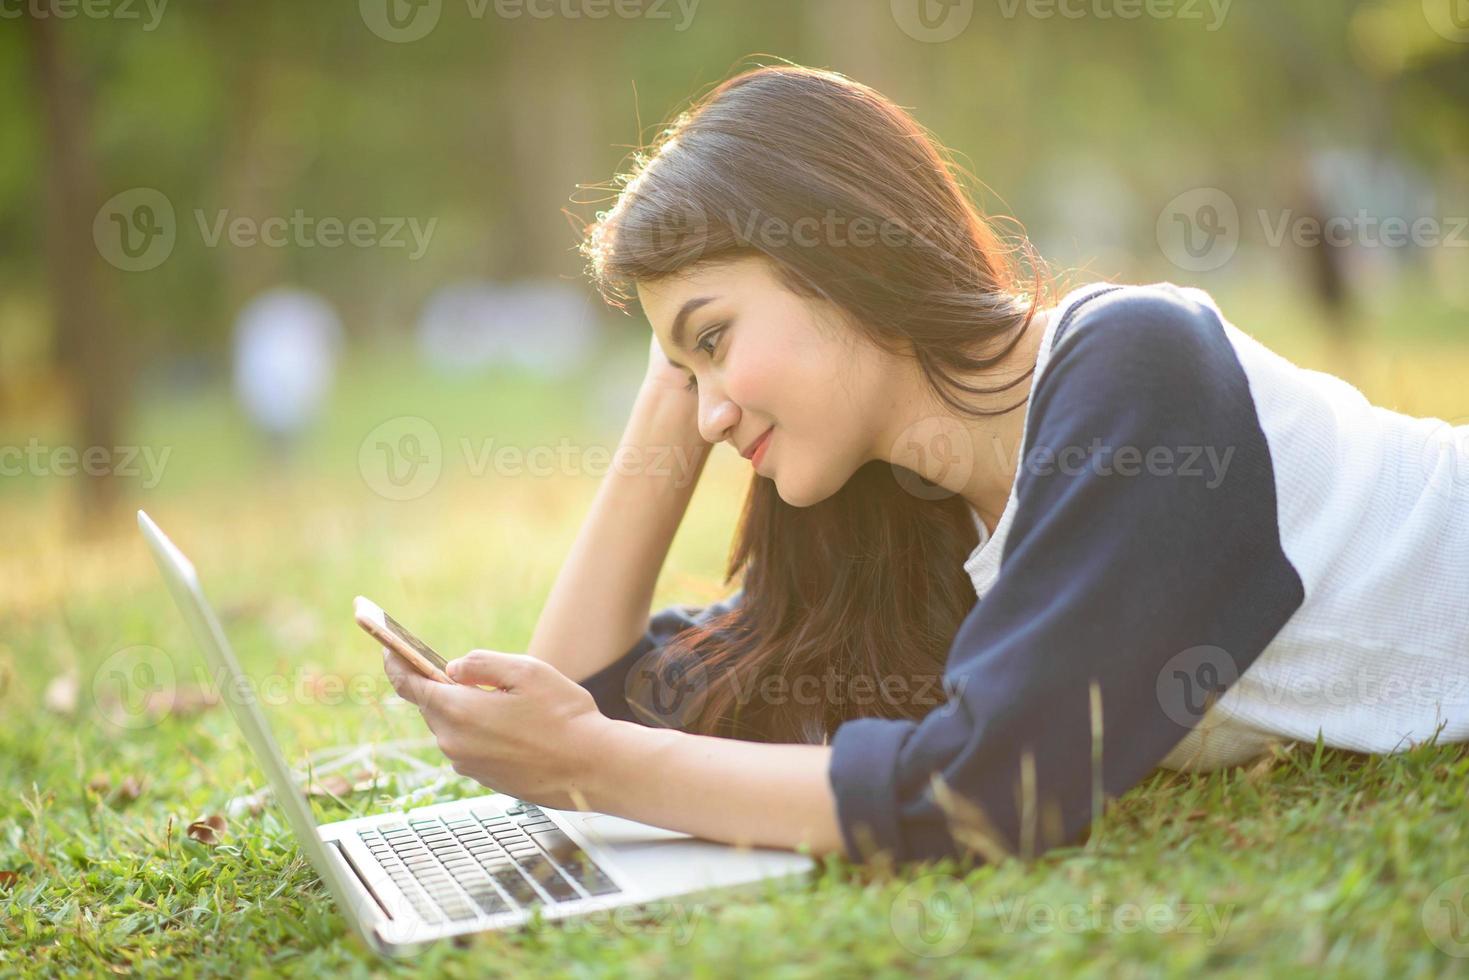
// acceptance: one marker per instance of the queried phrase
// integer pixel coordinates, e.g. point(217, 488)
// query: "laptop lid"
point(358, 907)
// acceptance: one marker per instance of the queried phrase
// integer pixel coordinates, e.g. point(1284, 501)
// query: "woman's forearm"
point(745, 793)
point(599, 605)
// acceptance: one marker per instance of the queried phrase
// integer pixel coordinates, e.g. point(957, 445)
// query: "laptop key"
point(516, 886)
point(490, 901)
point(463, 833)
point(544, 873)
point(593, 879)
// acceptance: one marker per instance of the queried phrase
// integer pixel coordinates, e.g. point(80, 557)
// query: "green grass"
point(1311, 860)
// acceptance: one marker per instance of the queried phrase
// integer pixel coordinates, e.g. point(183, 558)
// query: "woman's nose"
point(717, 418)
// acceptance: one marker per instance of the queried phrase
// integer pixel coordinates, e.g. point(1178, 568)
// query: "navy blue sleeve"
point(1154, 577)
point(665, 699)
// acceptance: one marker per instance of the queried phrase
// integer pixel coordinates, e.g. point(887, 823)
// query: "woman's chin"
point(798, 494)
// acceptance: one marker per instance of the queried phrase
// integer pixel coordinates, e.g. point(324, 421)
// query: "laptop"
point(406, 879)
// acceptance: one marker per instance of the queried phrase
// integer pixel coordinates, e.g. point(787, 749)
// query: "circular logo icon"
point(402, 458)
point(664, 691)
point(933, 916)
point(1445, 459)
point(1191, 681)
point(135, 687)
point(135, 230)
point(930, 453)
point(400, 21)
point(674, 238)
point(933, 21)
point(1199, 229)
point(1448, 18)
point(1446, 916)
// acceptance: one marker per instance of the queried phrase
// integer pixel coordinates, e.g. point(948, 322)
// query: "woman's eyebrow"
point(680, 323)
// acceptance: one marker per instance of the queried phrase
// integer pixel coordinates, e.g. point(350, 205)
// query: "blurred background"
point(301, 279)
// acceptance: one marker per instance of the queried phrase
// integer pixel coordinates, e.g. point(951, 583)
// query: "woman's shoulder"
point(1142, 352)
point(1132, 320)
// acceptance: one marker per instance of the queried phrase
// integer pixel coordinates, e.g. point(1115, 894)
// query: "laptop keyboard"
point(496, 861)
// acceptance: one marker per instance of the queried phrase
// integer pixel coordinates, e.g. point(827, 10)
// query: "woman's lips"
point(760, 446)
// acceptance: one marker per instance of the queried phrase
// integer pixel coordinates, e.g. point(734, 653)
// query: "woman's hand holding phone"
point(509, 721)
point(396, 640)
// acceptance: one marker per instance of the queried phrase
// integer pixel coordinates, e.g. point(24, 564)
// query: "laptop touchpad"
point(610, 831)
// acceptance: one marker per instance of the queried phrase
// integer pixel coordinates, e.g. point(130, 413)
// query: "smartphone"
point(391, 634)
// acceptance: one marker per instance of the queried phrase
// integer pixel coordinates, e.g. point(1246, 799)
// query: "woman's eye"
point(707, 343)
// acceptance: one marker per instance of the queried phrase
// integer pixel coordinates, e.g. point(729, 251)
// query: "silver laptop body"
point(406, 879)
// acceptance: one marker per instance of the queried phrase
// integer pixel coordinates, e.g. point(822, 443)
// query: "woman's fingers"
point(509, 671)
point(442, 705)
point(409, 683)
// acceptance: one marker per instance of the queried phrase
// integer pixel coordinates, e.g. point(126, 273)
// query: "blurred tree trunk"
point(549, 145)
point(87, 341)
point(250, 171)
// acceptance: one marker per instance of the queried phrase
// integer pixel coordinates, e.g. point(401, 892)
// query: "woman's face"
point(766, 359)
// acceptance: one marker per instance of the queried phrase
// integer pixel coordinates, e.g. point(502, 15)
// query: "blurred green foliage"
point(488, 122)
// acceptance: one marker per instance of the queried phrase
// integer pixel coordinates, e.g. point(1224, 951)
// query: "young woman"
point(1004, 552)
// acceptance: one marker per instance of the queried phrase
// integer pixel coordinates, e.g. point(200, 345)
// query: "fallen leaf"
point(1276, 753)
point(365, 779)
point(127, 791)
point(208, 830)
point(184, 701)
point(334, 785)
point(8, 878)
point(192, 699)
point(246, 609)
point(61, 694)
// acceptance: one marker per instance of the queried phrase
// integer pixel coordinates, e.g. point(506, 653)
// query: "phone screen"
point(421, 647)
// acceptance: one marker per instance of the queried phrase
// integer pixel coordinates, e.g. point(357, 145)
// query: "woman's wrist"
point(742, 793)
point(669, 411)
point(663, 432)
point(619, 744)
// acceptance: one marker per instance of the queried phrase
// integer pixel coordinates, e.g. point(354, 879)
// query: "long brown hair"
point(862, 593)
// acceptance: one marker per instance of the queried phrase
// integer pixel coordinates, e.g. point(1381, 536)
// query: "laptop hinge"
point(361, 878)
